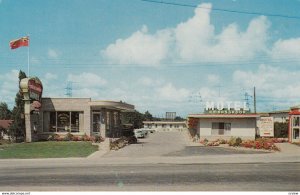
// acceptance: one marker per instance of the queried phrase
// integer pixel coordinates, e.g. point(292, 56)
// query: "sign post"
point(32, 90)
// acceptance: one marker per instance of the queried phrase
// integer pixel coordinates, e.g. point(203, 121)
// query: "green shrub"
point(233, 141)
point(238, 141)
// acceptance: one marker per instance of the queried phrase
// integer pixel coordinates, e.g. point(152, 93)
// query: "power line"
point(223, 10)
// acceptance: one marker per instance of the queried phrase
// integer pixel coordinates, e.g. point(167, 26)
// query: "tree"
point(17, 128)
point(148, 116)
point(179, 118)
point(135, 118)
point(5, 113)
point(281, 129)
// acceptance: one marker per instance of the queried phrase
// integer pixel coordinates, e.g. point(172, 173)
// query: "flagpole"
point(28, 66)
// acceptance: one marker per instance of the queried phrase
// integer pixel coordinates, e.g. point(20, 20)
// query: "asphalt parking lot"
point(172, 144)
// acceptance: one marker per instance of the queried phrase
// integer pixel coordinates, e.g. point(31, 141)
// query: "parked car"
point(139, 133)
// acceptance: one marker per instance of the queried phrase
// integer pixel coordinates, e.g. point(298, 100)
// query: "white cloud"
point(197, 41)
point(9, 86)
point(87, 80)
point(287, 49)
point(273, 82)
point(169, 92)
point(194, 40)
point(140, 48)
point(52, 53)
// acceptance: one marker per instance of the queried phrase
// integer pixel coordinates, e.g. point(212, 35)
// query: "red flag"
point(24, 41)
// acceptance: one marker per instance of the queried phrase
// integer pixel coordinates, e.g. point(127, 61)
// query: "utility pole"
point(254, 99)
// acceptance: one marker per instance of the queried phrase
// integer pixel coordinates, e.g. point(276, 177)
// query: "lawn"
point(49, 149)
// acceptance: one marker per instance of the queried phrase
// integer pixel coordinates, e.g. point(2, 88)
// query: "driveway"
point(156, 144)
point(171, 144)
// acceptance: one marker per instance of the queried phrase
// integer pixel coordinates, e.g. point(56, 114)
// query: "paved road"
point(209, 177)
point(164, 162)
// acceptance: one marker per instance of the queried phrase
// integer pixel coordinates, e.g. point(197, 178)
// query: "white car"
point(139, 133)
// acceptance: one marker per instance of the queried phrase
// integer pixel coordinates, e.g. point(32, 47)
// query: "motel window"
point(163, 125)
point(155, 126)
point(171, 126)
point(63, 121)
point(221, 128)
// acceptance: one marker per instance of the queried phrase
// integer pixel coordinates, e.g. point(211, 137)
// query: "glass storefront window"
point(63, 121)
point(296, 121)
point(74, 121)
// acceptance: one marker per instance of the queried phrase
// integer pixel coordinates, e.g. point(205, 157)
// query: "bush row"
point(267, 144)
point(122, 142)
point(260, 143)
point(71, 137)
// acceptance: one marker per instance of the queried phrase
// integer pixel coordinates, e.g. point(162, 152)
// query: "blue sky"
point(158, 57)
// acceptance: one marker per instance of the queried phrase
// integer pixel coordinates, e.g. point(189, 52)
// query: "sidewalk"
point(208, 159)
point(289, 153)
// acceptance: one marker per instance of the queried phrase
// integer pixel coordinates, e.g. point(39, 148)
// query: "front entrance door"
point(96, 122)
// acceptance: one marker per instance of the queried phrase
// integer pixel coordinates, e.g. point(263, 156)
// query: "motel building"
point(161, 126)
point(294, 124)
point(224, 123)
point(78, 116)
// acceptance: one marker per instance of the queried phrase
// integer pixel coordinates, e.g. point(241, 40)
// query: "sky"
point(157, 56)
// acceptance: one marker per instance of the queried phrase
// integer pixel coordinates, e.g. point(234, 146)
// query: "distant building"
point(5, 124)
point(165, 125)
point(281, 116)
point(170, 115)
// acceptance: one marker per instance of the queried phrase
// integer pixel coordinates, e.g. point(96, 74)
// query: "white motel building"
point(224, 126)
point(165, 125)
